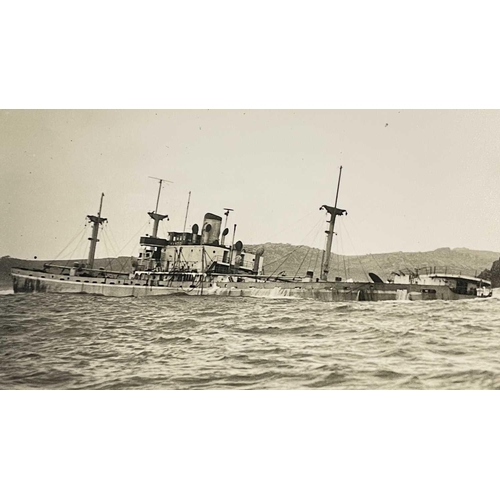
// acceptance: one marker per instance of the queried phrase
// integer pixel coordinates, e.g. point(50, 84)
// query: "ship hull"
point(30, 281)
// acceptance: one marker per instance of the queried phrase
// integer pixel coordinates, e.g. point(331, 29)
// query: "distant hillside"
point(293, 260)
point(297, 260)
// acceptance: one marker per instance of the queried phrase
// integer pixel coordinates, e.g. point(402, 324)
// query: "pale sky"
point(412, 180)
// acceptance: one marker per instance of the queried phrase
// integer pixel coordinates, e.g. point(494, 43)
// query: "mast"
point(225, 232)
point(96, 220)
point(187, 211)
point(155, 215)
point(226, 213)
point(333, 211)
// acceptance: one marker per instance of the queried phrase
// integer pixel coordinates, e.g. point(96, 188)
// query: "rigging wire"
point(406, 260)
point(287, 256)
point(122, 267)
point(341, 246)
point(112, 240)
point(78, 234)
point(377, 262)
point(294, 223)
point(122, 263)
point(107, 240)
point(108, 237)
point(68, 260)
point(300, 265)
point(108, 259)
point(354, 248)
point(134, 236)
point(344, 258)
point(316, 252)
point(300, 245)
point(309, 250)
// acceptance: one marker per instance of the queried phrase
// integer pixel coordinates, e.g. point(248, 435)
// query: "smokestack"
point(211, 229)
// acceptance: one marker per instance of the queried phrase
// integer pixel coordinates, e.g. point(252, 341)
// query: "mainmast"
point(333, 211)
point(96, 221)
point(155, 215)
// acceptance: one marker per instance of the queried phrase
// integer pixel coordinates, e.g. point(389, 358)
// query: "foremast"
point(155, 215)
point(333, 211)
point(96, 220)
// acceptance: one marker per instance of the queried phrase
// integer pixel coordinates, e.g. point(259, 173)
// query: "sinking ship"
point(201, 262)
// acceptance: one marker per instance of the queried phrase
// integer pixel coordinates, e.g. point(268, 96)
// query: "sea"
point(177, 342)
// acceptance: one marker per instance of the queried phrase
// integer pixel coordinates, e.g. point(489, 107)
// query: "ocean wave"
point(83, 342)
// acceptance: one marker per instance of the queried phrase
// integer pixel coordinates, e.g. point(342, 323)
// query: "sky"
point(412, 180)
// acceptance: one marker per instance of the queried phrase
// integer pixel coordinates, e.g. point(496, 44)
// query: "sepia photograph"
point(249, 251)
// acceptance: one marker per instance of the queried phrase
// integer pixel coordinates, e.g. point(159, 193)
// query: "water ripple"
point(82, 342)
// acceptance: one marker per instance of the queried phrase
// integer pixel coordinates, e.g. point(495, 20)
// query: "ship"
point(200, 262)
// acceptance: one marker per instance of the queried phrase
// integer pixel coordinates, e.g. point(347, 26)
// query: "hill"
point(293, 260)
point(297, 260)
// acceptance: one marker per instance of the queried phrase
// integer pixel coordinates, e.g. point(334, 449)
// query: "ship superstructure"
point(196, 252)
point(199, 251)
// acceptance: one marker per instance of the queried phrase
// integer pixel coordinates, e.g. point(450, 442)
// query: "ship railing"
point(86, 269)
point(446, 270)
point(259, 277)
